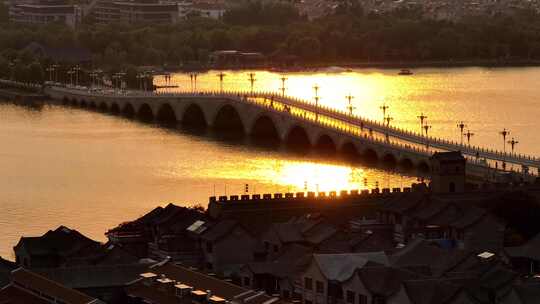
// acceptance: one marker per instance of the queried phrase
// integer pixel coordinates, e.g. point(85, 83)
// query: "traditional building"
point(54, 248)
point(30, 288)
point(166, 283)
point(447, 172)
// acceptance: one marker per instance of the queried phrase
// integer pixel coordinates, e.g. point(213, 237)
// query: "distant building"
point(135, 11)
point(235, 58)
point(53, 249)
point(30, 288)
point(44, 12)
point(207, 10)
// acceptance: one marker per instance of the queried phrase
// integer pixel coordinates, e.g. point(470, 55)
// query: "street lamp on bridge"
point(193, 81)
point(316, 89)
point(422, 117)
point(350, 107)
point(251, 80)
point(426, 129)
point(221, 75)
point(504, 133)
point(77, 68)
point(461, 126)
point(384, 108)
point(513, 143)
point(283, 80)
point(70, 72)
point(468, 135)
point(388, 119)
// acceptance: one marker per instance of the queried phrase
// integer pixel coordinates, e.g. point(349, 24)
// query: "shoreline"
point(309, 67)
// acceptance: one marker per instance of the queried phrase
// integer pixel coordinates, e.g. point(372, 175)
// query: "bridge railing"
point(335, 114)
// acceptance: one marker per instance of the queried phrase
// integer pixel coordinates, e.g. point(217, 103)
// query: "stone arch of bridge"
point(83, 103)
point(298, 138)
point(103, 106)
point(128, 110)
point(349, 150)
point(115, 108)
point(406, 163)
point(389, 159)
point(74, 102)
point(228, 118)
point(193, 116)
point(165, 113)
point(264, 126)
point(370, 154)
point(92, 105)
point(325, 144)
point(145, 112)
point(65, 101)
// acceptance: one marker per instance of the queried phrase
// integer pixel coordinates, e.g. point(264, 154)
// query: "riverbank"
point(310, 67)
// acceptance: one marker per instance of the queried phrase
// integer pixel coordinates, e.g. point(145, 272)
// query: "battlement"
point(300, 196)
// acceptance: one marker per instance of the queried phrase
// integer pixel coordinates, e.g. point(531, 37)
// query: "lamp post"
point(388, 119)
point(513, 143)
point(426, 129)
point(468, 135)
point(350, 107)
point(316, 89)
point(50, 69)
point(56, 68)
point(251, 80)
point(504, 133)
point(461, 126)
point(70, 72)
point(283, 79)
point(422, 117)
point(76, 69)
point(384, 108)
point(221, 75)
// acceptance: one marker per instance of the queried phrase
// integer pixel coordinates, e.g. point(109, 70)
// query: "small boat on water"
point(405, 72)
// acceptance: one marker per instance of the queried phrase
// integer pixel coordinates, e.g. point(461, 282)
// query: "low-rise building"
point(166, 283)
point(30, 288)
point(44, 11)
point(135, 11)
point(54, 248)
point(5, 270)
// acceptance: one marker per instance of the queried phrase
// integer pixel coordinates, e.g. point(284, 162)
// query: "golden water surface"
point(90, 171)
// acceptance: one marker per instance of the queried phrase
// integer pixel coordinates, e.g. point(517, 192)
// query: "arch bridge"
point(297, 123)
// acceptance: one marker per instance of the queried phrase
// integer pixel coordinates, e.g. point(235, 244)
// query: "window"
point(209, 247)
point(247, 281)
point(362, 299)
point(319, 286)
point(378, 300)
point(308, 283)
point(351, 296)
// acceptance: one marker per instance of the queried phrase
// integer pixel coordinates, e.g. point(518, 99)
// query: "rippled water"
point(91, 171)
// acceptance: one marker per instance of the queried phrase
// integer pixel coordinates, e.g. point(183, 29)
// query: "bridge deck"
point(351, 125)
